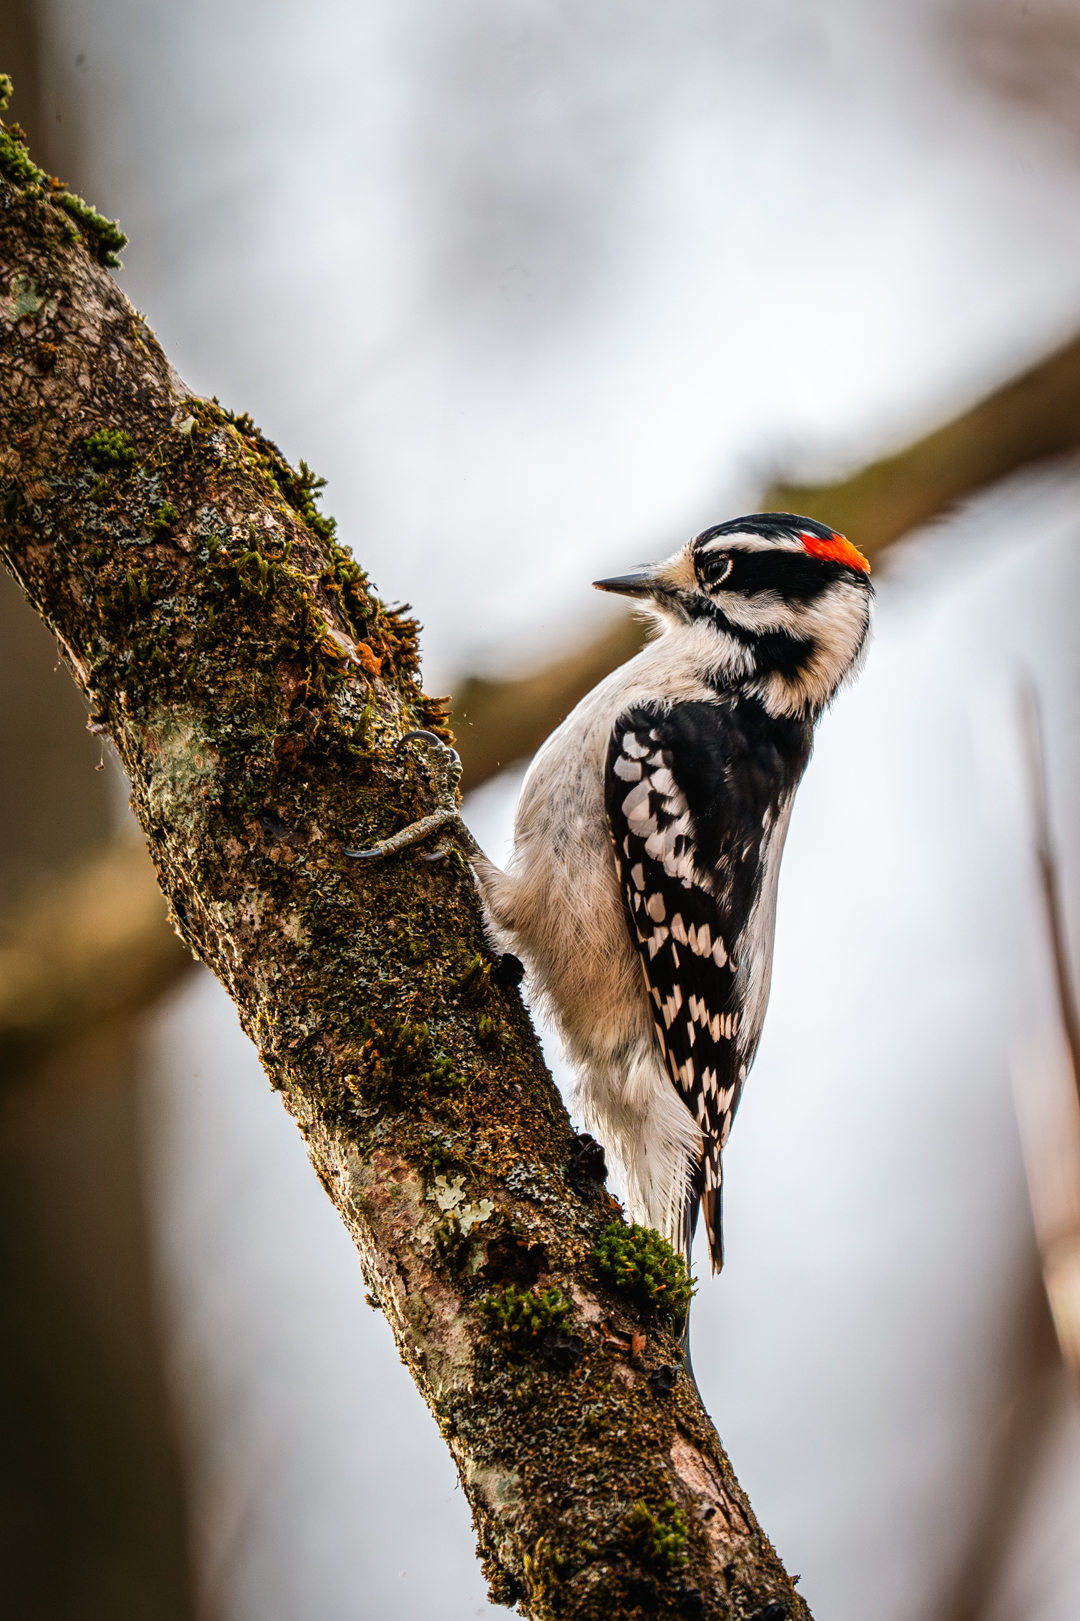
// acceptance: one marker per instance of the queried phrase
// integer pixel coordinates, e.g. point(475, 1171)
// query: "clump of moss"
point(163, 519)
point(441, 1072)
point(16, 163)
point(489, 1032)
point(519, 1316)
point(307, 489)
point(402, 1050)
point(405, 1046)
point(473, 985)
point(637, 1261)
point(656, 1539)
point(109, 448)
point(301, 489)
point(105, 238)
point(544, 1570)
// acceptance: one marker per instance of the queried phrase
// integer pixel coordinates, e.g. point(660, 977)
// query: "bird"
point(640, 894)
point(641, 890)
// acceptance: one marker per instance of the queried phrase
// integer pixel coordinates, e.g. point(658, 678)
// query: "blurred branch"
point(83, 949)
point(1048, 1110)
point(1025, 1422)
point(1048, 876)
point(258, 694)
point(1036, 415)
point(1053, 1155)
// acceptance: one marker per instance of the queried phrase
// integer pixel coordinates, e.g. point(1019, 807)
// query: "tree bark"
point(257, 692)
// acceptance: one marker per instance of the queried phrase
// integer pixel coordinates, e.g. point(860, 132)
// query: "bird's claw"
point(447, 814)
point(408, 835)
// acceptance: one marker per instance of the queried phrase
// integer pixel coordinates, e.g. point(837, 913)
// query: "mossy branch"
point(257, 691)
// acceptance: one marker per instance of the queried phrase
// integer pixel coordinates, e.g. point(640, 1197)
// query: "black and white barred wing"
point(679, 928)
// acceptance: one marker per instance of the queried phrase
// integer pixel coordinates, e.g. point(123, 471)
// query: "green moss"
point(641, 1264)
point(489, 1032)
point(301, 489)
point(656, 1539)
point(104, 236)
point(137, 587)
point(518, 1316)
point(163, 519)
point(399, 1061)
point(16, 163)
point(388, 640)
point(437, 1155)
point(109, 448)
point(544, 1571)
point(474, 983)
point(441, 1072)
point(405, 1047)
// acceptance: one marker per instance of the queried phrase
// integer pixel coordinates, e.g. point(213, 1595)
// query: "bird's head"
point(772, 600)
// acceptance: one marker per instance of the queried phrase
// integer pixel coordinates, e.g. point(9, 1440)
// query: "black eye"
point(714, 568)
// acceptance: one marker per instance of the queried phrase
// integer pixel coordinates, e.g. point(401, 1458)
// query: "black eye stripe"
point(791, 575)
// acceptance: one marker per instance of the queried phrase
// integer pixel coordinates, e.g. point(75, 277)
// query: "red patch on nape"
point(834, 549)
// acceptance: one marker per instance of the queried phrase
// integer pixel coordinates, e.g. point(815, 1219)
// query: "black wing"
point(691, 797)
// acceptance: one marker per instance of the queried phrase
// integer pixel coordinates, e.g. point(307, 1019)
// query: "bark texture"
point(257, 691)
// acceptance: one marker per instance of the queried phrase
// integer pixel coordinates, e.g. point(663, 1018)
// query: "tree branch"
point(257, 691)
point(83, 949)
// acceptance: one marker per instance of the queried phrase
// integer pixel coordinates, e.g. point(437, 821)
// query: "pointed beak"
point(644, 583)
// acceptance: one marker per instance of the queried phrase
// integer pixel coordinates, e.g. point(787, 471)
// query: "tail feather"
point(712, 1210)
point(706, 1201)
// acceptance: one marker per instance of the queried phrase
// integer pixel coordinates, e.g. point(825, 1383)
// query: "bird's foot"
point(408, 835)
point(447, 764)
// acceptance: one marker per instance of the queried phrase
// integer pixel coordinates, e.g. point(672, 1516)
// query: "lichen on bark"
point(258, 692)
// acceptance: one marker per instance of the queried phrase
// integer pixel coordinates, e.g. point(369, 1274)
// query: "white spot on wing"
point(635, 799)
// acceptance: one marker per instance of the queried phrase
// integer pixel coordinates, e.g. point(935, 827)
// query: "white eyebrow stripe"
point(751, 543)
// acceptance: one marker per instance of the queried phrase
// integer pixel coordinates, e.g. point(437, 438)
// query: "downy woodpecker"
point(641, 894)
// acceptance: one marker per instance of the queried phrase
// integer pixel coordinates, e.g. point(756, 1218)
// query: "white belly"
point(559, 908)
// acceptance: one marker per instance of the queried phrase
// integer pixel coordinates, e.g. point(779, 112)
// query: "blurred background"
point(541, 289)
